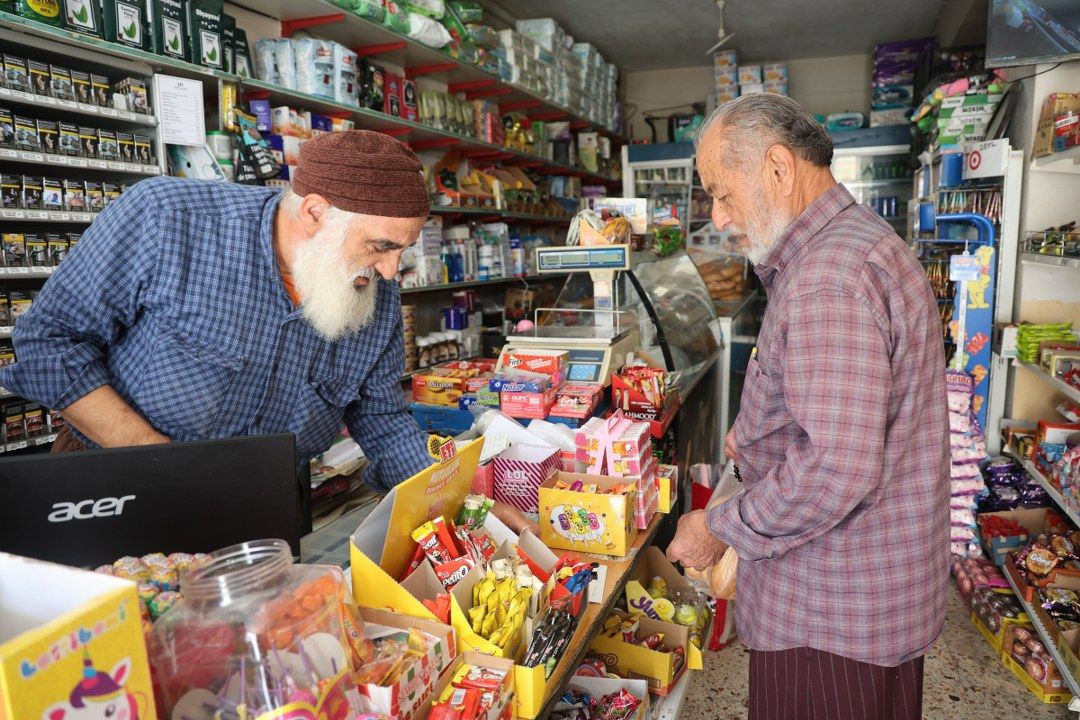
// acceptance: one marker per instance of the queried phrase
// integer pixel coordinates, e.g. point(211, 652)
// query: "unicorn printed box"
point(71, 645)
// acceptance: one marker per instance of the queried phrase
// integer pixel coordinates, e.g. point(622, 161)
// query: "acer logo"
point(88, 509)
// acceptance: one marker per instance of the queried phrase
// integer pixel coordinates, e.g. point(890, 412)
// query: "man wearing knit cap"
point(193, 310)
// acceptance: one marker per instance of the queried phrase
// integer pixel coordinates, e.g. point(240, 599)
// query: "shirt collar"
point(808, 224)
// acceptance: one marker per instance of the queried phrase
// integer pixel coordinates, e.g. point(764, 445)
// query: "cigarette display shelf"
point(1061, 386)
point(37, 158)
point(30, 442)
point(51, 216)
point(8, 96)
point(328, 21)
point(26, 273)
point(1050, 644)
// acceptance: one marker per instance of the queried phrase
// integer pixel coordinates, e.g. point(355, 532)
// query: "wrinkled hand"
point(694, 545)
point(729, 445)
point(514, 518)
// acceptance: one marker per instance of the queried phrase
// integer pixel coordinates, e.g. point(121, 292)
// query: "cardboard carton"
point(658, 667)
point(601, 523)
point(59, 626)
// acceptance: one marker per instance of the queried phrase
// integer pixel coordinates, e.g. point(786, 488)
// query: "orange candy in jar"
point(253, 634)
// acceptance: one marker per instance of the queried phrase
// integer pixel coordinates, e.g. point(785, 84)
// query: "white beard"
point(763, 228)
point(328, 298)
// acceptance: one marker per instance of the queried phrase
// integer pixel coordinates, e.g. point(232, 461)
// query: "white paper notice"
point(180, 110)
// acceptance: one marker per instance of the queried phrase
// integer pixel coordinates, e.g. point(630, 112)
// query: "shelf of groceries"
point(1054, 493)
point(365, 118)
point(1070, 391)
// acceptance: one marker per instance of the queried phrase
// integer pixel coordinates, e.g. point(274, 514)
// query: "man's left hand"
point(694, 545)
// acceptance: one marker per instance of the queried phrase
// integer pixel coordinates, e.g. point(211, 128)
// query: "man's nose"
point(720, 218)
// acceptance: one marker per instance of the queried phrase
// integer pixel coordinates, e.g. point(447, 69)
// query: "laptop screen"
point(90, 508)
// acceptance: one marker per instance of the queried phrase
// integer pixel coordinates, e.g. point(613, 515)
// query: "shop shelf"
point(474, 283)
point(37, 158)
point(25, 273)
point(20, 98)
point(1054, 260)
point(1060, 385)
point(27, 443)
point(500, 213)
point(52, 216)
point(880, 182)
point(1052, 491)
point(1066, 161)
point(1051, 646)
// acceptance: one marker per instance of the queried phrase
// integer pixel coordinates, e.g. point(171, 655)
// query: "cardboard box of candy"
point(527, 405)
point(445, 384)
point(475, 673)
point(613, 446)
point(549, 362)
point(588, 513)
point(992, 612)
point(416, 682)
point(667, 486)
point(1025, 655)
point(605, 691)
point(520, 470)
point(576, 400)
point(640, 390)
point(60, 626)
point(1004, 532)
point(640, 647)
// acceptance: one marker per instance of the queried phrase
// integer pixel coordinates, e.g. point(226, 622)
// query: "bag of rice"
point(314, 67)
point(345, 66)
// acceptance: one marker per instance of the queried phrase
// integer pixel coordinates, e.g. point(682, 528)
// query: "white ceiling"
point(656, 34)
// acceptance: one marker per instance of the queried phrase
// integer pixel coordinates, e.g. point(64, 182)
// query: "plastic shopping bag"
point(720, 578)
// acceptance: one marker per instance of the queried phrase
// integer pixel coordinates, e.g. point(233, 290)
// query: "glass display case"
point(879, 177)
point(668, 302)
point(664, 175)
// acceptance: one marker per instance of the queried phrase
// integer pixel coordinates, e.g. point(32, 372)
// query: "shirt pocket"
point(320, 409)
point(185, 385)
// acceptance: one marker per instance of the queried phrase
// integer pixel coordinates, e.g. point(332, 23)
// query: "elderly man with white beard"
point(193, 310)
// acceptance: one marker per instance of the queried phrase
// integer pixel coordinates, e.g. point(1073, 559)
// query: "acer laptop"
point(90, 508)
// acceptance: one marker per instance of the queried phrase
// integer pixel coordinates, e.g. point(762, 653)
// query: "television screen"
point(1024, 32)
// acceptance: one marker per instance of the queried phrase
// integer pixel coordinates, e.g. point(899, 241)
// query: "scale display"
point(586, 366)
point(561, 259)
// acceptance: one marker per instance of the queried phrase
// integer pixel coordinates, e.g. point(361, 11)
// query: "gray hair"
point(764, 119)
point(335, 217)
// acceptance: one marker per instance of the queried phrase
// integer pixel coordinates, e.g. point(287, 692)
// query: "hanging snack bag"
point(345, 67)
point(83, 16)
point(170, 28)
point(46, 11)
point(204, 26)
point(241, 53)
point(314, 67)
point(126, 22)
point(228, 42)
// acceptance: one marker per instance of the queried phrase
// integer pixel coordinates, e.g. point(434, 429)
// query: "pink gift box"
point(532, 405)
point(648, 500)
point(614, 446)
point(519, 471)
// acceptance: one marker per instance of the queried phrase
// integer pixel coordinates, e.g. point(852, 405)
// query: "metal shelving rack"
point(1061, 386)
point(1050, 645)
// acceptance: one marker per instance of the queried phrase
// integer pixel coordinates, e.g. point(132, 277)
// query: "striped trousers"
point(807, 684)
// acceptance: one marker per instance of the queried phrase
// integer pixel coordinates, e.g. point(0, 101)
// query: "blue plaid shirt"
point(174, 298)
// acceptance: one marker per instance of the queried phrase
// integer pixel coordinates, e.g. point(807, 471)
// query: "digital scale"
point(596, 346)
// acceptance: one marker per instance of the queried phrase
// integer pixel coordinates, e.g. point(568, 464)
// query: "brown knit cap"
point(362, 171)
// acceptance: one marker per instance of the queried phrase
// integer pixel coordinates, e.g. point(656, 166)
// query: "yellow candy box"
point(71, 645)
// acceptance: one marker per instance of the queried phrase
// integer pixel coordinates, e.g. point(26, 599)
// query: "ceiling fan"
point(720, 33)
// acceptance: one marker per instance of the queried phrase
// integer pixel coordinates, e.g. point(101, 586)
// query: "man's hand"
point(104, 417)
point(729, 445)
point(514, 518)
point(694, 545)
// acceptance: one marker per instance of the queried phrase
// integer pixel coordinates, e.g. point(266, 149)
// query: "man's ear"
point(780, 164)
point(312, 209)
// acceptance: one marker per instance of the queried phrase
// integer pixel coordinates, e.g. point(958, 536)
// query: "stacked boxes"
point(732, 80)
point(965, 118)
point(895, 64)
point(539, 54)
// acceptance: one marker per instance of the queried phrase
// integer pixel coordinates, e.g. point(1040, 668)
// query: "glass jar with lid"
point(254, 634)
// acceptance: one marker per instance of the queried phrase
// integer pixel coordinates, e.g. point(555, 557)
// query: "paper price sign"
point(963, 268)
